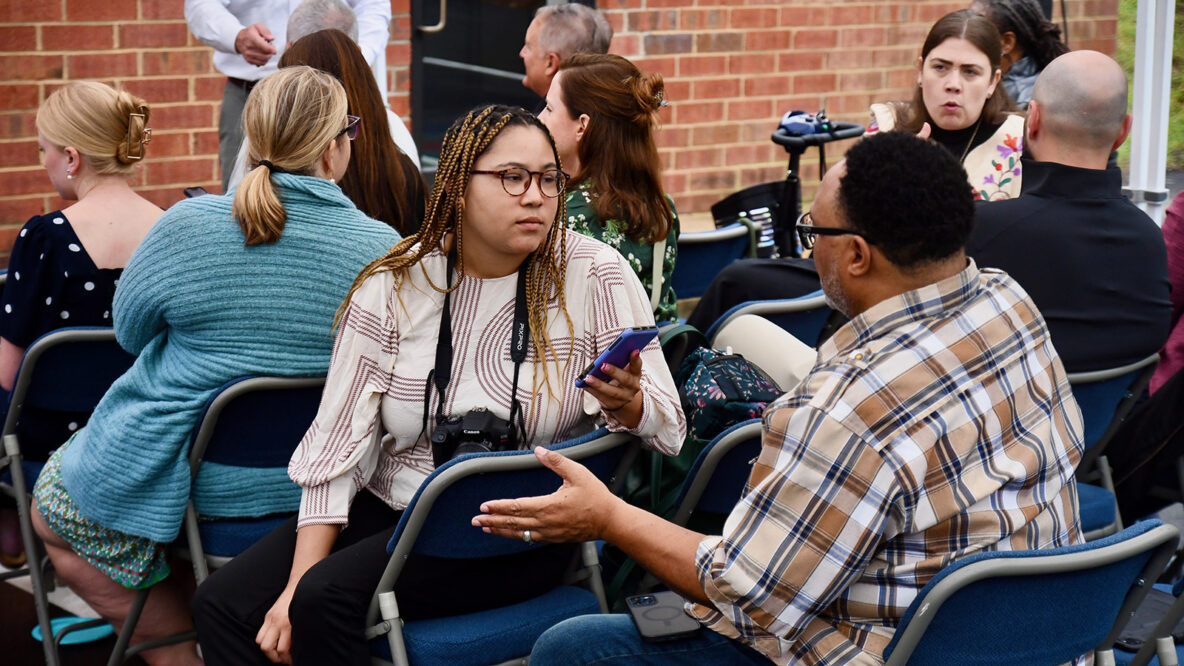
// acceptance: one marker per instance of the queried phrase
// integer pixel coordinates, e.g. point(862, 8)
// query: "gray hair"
point(316, 15)
point(572, 28)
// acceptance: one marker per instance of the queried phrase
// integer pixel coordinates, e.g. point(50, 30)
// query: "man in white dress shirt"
point(248, 37)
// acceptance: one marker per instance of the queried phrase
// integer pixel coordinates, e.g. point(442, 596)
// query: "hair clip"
point(145, 138)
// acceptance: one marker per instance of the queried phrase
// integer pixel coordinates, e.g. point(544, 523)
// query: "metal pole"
point(1149, 129)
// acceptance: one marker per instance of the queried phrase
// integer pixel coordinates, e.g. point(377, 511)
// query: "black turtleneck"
point(955, 140)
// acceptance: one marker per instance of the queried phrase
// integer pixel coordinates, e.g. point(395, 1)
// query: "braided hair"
point(546, 267)
point(1037, 36)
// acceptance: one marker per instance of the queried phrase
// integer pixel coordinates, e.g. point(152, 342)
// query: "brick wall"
point(731, 71)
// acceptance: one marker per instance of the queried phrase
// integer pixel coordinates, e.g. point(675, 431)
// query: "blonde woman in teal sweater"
point(221, 287)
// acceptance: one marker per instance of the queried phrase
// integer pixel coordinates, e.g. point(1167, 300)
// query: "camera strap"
point(442, 373)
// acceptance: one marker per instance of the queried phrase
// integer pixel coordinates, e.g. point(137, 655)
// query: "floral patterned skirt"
point(133, 562)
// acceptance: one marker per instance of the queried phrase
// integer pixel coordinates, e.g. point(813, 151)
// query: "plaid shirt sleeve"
point(807, 526)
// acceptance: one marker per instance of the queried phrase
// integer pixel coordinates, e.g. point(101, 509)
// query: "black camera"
point(476, 432)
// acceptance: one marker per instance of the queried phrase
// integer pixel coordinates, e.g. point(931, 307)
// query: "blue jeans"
point(613, 639)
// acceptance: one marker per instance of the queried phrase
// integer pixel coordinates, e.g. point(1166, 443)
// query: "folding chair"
point(716, 480)
point(803, 317)
point(438, 523)
point(65, 370)
point(703, 254)
point(1038, 607)
point(1159, 648)
point(1106, 397)
point(252, 423)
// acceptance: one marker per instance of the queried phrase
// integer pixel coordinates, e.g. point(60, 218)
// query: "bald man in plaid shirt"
point(936, 424)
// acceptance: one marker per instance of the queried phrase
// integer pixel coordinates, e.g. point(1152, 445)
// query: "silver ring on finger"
point(526, 536)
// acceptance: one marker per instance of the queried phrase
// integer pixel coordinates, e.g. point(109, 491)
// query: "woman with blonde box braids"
point(490, 237)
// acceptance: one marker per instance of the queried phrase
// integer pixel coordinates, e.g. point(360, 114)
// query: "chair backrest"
point(703, 254)
point(67, 370)
point(438, 519)
point(1032, 607)
point(782, 356)
point(1105, 398)
point(803, 316)
point(716, 480)
point(255, 421)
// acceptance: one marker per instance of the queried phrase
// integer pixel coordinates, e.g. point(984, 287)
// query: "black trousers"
point(753, 280)
point(328, 610)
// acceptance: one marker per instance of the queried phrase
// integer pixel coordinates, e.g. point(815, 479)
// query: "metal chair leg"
point(36, 579)
point(118, 653)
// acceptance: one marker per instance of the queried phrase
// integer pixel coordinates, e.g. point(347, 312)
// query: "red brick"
point(894, 13)
point(26, 181)
point(674, 182)
point(669, 3)
point(19, 153)
point(759, 131)
point(30, 67)
point(711, 42)
point(19, 96)
point(687, 113)
point(186, 171)
point(183, 116)
point(754, 154)
point(18, 38)
point(17, 126)
point(767, 85)
point(628, 46)
point(672, 137)
point(400, 6)
point(167, 196)
point(677, 90)
point(799, 16)
point(77, 37)
point(712, 180)
point(607, 5)
point(100, 65)
point(761, 175)
point(871, 80)
point(652, 20)
point(716, 89)
point(208, 87)
point(667, 43)
point(398, 54)
point(158, 91)
point(815, 38)
point(153, 34)
point(155, 10)
point(749, 109)
point(703, 65)
point(698, 158)
point(862, 37)
point(18, 211)
point(206, 143)
point(850, 15)
point(853, 59)
point(401, 104)
point(715, 134)
point(168, 144)
point(102, 10)
point(807, 83)
point(753, 18)
point(401, 28)
point(800, 61)
point(195, 61)
point(695, 203)
point(703, 19)
point(664, 66)
point(24, 11)
point(767, 40)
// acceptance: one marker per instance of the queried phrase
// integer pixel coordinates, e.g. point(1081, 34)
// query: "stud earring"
point(69, 176)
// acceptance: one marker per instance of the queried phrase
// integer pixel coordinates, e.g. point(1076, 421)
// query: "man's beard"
point(835, 297)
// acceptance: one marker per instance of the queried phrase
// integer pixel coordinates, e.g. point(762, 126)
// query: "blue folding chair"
point(1036, 607)
point(1105, 397)
point(249, 423)
point(438, 523)
point(716, 480)
point(804, 316)
point(1159, 648)
point(703, 254)
point(67, 370)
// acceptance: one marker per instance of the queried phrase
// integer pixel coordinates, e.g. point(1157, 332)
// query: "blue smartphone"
point(618, 353)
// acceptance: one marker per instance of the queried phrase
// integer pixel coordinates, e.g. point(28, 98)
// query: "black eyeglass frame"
point(535, 176)
point(807, 231)
point(352, 125)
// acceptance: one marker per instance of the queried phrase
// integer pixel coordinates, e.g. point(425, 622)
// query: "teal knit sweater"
point(199, 308)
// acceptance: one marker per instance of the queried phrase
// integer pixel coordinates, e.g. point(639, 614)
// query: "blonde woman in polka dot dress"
point(65, 265)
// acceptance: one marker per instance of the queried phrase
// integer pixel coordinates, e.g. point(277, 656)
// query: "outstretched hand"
point(579, 510)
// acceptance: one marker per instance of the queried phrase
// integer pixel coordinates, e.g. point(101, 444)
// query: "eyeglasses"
point(808, 233)
point(352, 125)
point(516, 180)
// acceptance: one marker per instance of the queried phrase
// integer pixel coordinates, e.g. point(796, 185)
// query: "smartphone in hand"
point(618, 353)
point(660, 617)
